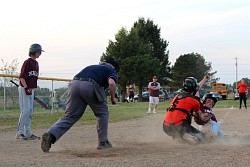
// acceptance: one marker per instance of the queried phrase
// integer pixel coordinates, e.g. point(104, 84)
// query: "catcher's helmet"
point(208, 96)
point(36, 48)
point(190, 85)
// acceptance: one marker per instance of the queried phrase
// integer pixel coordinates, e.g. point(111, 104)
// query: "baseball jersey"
point(100, 73)
point(30, 71)
point(131, 88)
point(176, 116)
point(242, 87)
point(210, 111)
point(154, 93)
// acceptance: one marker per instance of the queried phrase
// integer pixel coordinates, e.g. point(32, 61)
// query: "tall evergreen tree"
point(150, 34)
point(189, 65)
point(141, 54)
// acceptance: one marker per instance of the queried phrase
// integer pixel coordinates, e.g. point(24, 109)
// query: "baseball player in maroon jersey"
point(28, 82)
point(153, 88)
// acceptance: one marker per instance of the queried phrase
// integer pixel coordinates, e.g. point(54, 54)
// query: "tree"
point(119, 50)
point(150, 34)
point(9, 69)
point(140, 51)
point(190, 65)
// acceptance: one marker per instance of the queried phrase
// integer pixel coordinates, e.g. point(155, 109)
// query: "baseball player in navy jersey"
point(153, 88)
point(28, 82)
point(87, 88)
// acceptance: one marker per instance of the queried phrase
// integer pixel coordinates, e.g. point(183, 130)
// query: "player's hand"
point(28, 91)
point(113, 101)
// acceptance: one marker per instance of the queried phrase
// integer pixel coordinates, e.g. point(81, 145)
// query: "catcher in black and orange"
point(177, 121)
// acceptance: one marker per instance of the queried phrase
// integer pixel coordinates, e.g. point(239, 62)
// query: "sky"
point(75, 33)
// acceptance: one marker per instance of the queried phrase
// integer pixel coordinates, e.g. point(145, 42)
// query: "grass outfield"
point(119, 112)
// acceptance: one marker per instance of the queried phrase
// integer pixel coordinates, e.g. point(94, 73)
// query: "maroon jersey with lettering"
point(30, 71)
point(154, 93)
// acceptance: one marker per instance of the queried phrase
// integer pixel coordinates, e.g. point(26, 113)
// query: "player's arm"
point(112, 89)
point(154, 87)
point(201, 83)
point(158, 86)
point(149, 85)
point(27, 89)
point(23, 82)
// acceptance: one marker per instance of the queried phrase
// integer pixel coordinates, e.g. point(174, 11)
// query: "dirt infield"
point(136, 143)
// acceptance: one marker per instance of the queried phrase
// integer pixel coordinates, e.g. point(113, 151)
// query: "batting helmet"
point(190, 85)
point(208, 96)
point(36, 48)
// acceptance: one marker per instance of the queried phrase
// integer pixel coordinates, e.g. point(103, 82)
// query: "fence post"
point(52, 92)
point(4, 98)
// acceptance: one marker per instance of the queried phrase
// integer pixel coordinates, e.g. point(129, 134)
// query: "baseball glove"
point(202, 118)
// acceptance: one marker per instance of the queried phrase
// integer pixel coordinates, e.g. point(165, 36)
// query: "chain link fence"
point(52, 91)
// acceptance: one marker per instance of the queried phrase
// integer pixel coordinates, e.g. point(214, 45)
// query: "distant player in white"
point(153, 88)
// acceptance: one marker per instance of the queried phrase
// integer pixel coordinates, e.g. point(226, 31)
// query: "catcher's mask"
point(190, 85)
point(208, 96)
point(111, 61)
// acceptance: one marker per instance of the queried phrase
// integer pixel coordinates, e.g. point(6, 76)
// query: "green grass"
point(42, 119)
point(119, 112)
point(227, 103)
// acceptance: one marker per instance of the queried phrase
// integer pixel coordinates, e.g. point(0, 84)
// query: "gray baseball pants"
point(26, 103)
point(81, 94)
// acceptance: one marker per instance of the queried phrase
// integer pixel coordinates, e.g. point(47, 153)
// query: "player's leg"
point(74, 110)
point(24, 113)
point(150, 104)
point(156, 102)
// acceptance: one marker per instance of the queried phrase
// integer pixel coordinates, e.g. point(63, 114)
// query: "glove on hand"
point(28, 91)
point(202, 118)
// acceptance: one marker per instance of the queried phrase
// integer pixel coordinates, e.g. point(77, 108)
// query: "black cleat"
point(34, 137)
point(46, 142)
point(104, 145)
point(21, 137)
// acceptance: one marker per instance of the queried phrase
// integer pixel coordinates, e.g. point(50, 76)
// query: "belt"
point(85, 79)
